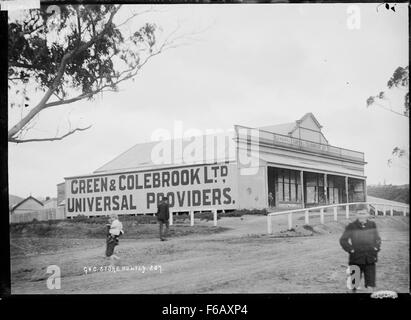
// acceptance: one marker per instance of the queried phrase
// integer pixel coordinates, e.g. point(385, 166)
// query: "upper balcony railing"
point(267, 137)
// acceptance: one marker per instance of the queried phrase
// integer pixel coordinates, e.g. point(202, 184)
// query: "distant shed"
point(27, 205)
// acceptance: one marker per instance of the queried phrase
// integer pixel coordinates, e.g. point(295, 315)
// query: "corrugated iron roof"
point(140, 156)
point(145, 155)
point(284, 128)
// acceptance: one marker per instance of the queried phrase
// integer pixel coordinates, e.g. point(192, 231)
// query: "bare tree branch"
point(130, 73)
point(49, 139)
point(78, 24)
point(22, 65)
point(389, 109)
point(135, 15)
point(103, 77)
point(41, 105)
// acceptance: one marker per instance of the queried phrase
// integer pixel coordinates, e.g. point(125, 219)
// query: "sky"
point(254, 65)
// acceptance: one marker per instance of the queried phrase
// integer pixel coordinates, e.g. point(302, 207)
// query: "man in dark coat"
point(361, 240)
point(163, 214)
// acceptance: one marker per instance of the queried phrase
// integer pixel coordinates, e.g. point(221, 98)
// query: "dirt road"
point(241, 260)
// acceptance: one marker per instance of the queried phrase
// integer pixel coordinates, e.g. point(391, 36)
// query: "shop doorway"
point(271, 187)
point(284, 188)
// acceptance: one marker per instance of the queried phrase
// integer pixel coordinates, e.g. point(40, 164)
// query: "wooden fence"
point(377, 207)
point(41, 215)
point(191, 213)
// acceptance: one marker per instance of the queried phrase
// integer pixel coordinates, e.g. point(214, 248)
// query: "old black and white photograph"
point(207, 148)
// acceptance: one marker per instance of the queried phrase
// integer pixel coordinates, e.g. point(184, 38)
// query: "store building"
point(282, 166)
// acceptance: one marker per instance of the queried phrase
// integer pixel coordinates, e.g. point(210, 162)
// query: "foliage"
point(399, 154)
point(400, 80)
point(80, 218)
point(85, 52)
point(390, 192)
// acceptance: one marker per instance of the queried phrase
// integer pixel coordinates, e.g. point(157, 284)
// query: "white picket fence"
point(191, 213)
point(377, 207)
point(41, 215)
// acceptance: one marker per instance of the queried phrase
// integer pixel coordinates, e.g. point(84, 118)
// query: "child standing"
point(114, 230)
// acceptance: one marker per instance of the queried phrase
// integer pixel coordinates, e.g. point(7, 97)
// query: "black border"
point(269, 305)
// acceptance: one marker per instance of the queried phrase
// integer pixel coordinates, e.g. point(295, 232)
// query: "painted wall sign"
point(197, 187)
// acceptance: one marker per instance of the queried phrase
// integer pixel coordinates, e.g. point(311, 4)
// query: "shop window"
point(280, 192)
point(330, 192)
point(293, 194)
point(321, 195)
point(332, 195)
point(287, 192)
point(320, 180)
point(336, 195)
point(311, 194)
point(285, 176)
point(288, 185)
point(299, 192)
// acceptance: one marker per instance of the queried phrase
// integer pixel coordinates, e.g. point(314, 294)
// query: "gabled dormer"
point(306, 128)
